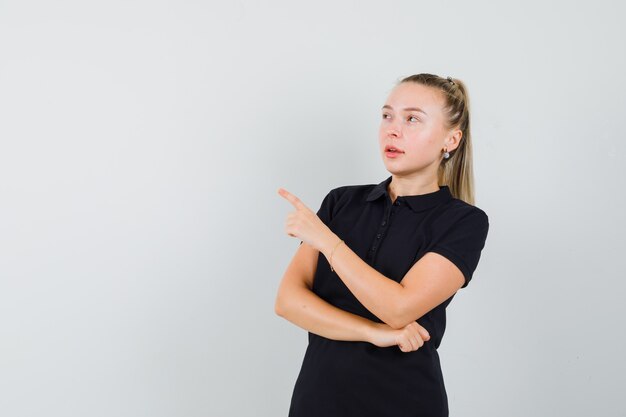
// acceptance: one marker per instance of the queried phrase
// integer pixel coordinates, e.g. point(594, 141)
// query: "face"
point(412, 121)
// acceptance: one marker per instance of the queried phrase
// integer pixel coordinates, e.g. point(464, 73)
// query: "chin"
point(394, 169)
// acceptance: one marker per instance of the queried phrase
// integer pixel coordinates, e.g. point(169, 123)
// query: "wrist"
point(372, 331)
point(329, 243)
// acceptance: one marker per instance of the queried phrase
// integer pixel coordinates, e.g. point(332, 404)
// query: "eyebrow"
point(386, 106)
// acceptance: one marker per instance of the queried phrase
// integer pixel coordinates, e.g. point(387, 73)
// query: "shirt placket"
point(390, 210)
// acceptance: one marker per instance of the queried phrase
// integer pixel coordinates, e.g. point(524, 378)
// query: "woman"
point(394, 256)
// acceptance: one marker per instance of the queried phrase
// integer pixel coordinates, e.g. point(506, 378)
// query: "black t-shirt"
point(359, 379)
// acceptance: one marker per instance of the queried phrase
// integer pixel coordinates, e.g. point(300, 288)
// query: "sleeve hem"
point(456, 260)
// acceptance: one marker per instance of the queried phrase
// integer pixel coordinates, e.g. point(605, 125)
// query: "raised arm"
point(297, 303)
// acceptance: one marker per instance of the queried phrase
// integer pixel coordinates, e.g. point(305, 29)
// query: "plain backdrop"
point(142, 238)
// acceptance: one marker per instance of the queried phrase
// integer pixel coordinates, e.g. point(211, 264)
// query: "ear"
point(454, 139)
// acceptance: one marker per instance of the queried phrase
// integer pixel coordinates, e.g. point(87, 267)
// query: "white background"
point(142, 237)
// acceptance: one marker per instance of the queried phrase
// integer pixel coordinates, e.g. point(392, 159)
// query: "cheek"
point(422, 145)
point(425, 138)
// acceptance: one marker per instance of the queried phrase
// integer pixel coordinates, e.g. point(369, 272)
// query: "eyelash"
point(413, 117)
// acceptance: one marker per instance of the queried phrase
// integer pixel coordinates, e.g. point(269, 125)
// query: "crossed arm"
point(430, 281)
point(297, 303)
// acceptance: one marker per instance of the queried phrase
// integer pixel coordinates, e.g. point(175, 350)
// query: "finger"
point(295, 201)
point(401, 344)
point(419, 341)
point(423, 332)
point(416, 338)
point(411, 343)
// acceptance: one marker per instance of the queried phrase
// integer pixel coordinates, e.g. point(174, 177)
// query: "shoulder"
point(345, 198)
point(458, 213)
point(341, 199)
point(459, 233)
point(345, 193)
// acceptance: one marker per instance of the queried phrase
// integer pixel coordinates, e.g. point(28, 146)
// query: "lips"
point(390, 148)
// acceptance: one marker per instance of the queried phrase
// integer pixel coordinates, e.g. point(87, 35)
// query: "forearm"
point(308, 311)
point(382, 296)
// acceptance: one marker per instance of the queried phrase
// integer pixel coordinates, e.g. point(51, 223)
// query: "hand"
point(305, 224)
point(409, 338)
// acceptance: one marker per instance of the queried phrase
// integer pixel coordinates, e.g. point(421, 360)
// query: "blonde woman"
point(393, 255)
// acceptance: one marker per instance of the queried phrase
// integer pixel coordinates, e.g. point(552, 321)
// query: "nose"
point(393, 131)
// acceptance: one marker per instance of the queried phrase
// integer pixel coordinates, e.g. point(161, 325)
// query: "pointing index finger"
point(295, 201)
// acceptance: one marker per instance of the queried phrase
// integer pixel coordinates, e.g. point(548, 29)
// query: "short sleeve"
point(326, 208)
point(464, 241)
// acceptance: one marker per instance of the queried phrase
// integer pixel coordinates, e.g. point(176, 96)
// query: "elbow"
point(399, 318)
point(286, 300)
point(397, 323)
point(279, 306)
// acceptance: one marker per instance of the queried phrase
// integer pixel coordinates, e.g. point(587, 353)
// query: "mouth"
point(393, 149)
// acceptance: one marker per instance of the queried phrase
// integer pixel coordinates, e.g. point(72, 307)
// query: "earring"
point(446, 154)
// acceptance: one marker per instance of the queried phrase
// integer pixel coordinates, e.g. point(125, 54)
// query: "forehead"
point(410, 94)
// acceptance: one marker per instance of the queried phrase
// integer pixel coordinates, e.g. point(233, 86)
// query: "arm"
point(385, 298)
point(298, 304)
point(429, 282)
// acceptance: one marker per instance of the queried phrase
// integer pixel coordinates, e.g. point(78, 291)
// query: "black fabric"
point(350, 379)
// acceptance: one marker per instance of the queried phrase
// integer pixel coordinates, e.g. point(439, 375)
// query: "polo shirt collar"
point(415, 202)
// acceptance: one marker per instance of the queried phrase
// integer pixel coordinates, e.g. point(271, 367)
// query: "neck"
point(411, 186)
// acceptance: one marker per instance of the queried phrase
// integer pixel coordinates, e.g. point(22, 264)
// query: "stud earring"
point(446, 154)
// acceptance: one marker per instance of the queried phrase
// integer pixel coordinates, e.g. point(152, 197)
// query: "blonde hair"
point(456, 171)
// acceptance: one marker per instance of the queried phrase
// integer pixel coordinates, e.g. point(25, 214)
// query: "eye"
point(385, 115)
point(413, 117)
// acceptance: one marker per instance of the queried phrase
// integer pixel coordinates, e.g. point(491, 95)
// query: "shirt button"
point(378, 236)
point(384, 222)
point(396, 203)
